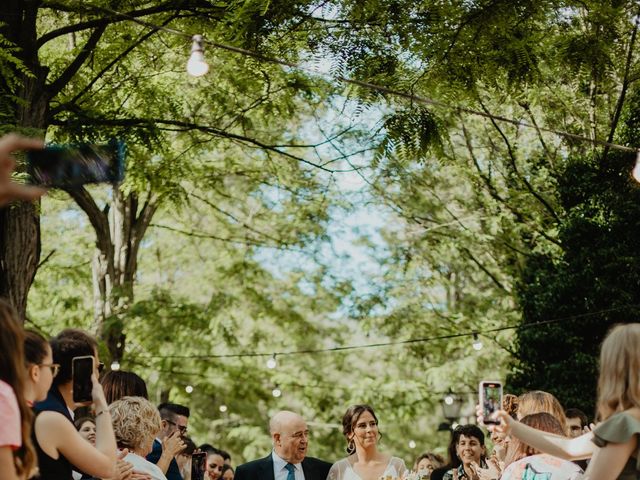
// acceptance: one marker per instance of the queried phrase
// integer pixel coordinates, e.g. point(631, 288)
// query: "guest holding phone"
point(59, 446)
point(613, 445)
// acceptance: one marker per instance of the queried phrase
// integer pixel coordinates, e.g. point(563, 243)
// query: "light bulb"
point(636, 169)
point(188, 389)
point(197, 66)
point(115, 365)
point(448, 400)
point(272, 363)
point(477, 343)
point(412, 444)
point(223, 408)
point(276, 392)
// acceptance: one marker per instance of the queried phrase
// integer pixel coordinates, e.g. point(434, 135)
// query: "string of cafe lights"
point(197, 66)
point(474, 335)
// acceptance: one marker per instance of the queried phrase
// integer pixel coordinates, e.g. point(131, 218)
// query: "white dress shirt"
point(279, 470)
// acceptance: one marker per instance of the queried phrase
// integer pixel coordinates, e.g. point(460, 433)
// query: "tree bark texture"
point(120, 227)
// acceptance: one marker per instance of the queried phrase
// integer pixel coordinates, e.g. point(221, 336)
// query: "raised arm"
point(568, 448)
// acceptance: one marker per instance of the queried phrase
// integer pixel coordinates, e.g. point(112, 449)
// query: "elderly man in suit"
point(288, 460)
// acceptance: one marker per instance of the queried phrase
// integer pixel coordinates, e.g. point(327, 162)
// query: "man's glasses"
point(55, 368)
point(183, 429)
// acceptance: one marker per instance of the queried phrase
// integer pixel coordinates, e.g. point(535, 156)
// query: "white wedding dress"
point(343, 470)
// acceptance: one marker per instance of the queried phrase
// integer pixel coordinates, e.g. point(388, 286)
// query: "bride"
point(365, 462)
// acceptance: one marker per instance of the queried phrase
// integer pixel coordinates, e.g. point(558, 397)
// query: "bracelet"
point(101, 412)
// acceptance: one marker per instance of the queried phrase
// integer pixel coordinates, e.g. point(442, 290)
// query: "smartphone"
point(198, 465)
point(490, 399)
point(65, 166)
point(81, 371)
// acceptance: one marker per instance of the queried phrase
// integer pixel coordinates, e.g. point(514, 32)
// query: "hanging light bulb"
point(272, 362)
point(276, 392)
point(636, 169)
point(412, 444)
point(188, 389)
point(477, 343)
point(223, 408)
point(115, 365)
point(197, 66)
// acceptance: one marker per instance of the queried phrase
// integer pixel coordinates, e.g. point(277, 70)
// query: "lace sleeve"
point(336, 472)
point(399, 466)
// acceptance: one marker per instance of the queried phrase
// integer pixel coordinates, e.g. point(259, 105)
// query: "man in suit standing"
point(169, 442)
point(288, 460)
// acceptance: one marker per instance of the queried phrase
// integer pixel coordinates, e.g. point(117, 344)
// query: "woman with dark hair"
point(41, 370)
point(57, 442)
point(365, 462)
point(466, 453)
point(17, 457)
point(86, 427)
point(118, 383)
point(227, 472)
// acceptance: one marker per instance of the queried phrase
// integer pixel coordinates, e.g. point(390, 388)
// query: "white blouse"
point(343, 470)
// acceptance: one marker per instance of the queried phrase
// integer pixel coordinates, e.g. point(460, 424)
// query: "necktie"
point(291, 469)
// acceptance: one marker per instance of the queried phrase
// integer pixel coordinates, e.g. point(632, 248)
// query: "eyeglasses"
point(55, 368)
point(183, 429)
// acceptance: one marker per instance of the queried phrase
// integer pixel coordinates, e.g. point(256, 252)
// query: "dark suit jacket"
point(313, 468)
point(173, 473)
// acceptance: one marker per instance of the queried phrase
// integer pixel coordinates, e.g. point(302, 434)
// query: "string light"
point(477, 343)
point(412, 444)
point(188, 389)
point(272, 362)
point(636, 169)
point(276, 392)
point(197, 65)
point(401, 342)
point(223, 408)
point(115, 365)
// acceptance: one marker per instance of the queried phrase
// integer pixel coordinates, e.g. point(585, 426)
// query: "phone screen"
point(82, 369)
point(490, 399)
point(75, 165)
point(198, 465)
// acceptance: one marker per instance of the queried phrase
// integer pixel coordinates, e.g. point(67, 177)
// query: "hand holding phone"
point(81, 373)
point(198, 465)
point(490, 394)
point(66, 166)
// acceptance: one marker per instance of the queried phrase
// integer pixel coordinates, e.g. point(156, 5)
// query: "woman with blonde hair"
point(136, 423)
point(618, 410)
point(538, 401)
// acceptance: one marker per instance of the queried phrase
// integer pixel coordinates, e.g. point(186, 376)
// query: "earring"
point(351, 447)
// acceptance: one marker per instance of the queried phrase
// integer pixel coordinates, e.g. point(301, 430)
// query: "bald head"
point(289, 435)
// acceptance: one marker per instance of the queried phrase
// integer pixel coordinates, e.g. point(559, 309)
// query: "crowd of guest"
point(121, 435)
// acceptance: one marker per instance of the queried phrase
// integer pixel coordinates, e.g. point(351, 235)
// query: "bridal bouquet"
point(421, 475)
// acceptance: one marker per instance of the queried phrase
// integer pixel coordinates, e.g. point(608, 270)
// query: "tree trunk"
point(119, 228)
point(19, 252)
